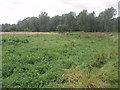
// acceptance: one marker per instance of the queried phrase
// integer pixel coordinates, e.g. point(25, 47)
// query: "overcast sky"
point(14, 10)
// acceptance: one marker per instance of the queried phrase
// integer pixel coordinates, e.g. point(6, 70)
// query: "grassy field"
point(76, 59)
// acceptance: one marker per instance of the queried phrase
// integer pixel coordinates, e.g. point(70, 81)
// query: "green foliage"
point(76, 59)
point(106, 20)
point(8, 69)
point(61, 28)
point(15, 41)
point(87, 22)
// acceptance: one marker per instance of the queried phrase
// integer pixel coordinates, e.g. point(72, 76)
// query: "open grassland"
point(76, 59)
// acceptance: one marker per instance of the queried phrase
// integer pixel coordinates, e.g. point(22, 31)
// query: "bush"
point(61, 28)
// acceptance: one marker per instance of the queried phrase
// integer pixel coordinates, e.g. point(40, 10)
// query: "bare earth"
point(26, 33)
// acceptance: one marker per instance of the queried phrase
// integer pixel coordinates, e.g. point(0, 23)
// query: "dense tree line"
point(84, 21)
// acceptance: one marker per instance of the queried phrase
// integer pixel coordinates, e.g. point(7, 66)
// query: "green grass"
point(75, 59)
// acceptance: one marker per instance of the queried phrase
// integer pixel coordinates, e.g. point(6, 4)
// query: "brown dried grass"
point(25, 33)
point(99, 34)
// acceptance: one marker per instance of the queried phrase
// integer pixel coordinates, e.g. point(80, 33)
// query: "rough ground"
point(31, 33)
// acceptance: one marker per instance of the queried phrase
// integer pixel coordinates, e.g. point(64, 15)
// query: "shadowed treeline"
point(84, 21)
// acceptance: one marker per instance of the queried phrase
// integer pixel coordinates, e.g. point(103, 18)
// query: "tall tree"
point(92, 22)
point(70, 21)
point(6, 27)
point(82, 20)
point(105, 19)
point(54, 22)
point(85, 21)
point(43, 21)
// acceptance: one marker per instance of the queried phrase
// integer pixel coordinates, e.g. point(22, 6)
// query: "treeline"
point(84, 21)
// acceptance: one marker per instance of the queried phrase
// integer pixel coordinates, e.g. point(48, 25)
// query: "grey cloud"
point(88, 4)
point(94, 5)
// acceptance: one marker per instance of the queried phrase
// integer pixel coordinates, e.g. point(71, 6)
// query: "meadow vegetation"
point(74, 59)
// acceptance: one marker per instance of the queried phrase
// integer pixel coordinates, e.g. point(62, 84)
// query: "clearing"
point(75, 59)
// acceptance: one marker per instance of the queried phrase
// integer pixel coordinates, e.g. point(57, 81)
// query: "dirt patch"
point(99, 34)
point(26, 33)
